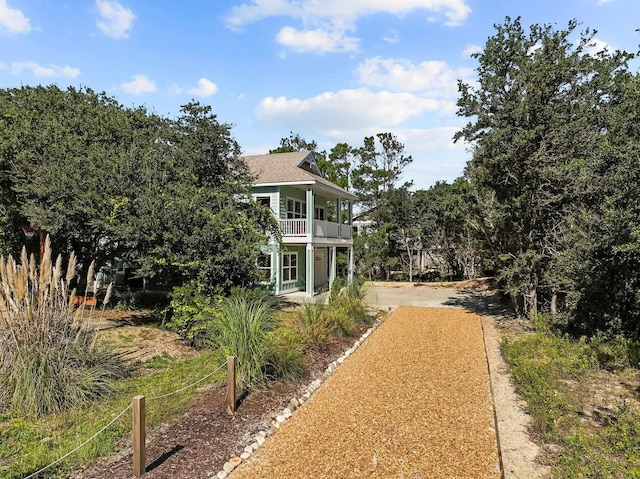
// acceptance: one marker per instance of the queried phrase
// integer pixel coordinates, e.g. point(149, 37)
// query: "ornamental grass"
point(50, 359)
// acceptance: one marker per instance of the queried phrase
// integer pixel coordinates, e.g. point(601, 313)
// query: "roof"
point(294, 168)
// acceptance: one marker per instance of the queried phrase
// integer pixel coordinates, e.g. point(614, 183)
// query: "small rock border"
point(294, 403)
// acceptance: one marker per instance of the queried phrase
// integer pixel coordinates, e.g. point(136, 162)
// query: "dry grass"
point(50, 360)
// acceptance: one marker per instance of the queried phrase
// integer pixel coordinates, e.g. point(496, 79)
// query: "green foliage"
point(28, 445)
point(160, 361)
point(84, 168)
point(285, 357)
point(610, 452)
point(551, 373)
point(540, 364)
point(193, 313)
point(50, 360)
point(242, 331)
point(312, 324)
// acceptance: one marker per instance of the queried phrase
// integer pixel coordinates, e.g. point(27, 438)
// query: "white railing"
point(321, 229)
point(297, 227)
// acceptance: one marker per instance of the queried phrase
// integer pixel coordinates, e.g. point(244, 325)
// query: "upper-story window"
point(320, 213)
point(296, 209)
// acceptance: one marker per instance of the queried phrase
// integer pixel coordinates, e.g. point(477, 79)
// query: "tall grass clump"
point(50, 360)
point(346, 306)
point(285, 357)
point(242, 331)
point(313, 324)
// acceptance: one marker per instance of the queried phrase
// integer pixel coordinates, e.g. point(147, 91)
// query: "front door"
point(320, 267)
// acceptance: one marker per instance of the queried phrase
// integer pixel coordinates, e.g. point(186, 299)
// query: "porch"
point(301, 228)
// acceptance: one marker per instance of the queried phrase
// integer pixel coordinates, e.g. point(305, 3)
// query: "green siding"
point(263, 189)
point(289, 192)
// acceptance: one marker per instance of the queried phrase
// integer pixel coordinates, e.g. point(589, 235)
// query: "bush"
point(50, 360)
point(241, 331)
point(313, 324)
point(192, 313)
point(285, 358)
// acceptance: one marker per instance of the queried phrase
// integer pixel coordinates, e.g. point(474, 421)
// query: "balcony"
point(298, 228)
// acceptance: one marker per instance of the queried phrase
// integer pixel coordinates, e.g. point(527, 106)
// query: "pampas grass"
point(50, 360)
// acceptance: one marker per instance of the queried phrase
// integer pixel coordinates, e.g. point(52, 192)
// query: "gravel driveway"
point(412, 402)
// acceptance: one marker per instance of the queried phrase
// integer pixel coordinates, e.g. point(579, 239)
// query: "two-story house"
point(315, 218)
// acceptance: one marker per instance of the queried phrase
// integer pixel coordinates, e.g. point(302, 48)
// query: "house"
point(315, 218)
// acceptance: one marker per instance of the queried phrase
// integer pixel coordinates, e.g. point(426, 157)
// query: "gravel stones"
point(413, 401)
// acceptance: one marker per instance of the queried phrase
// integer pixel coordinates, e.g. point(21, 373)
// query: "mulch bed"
point(201, 441)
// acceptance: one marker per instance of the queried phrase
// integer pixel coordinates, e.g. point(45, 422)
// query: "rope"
point(190, 385)
point(81, 445)
point(120, 415)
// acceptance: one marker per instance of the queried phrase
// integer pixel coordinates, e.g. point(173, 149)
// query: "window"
point(263, 201)
point(319, 213)
point(296, 209)
point(264, 267)
point(289, 267)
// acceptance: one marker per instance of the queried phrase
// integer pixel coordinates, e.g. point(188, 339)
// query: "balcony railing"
point(321, 229)
point(295, 227)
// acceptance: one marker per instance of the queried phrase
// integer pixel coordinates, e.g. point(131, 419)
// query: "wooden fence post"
point(231, 384)
point(139, 433)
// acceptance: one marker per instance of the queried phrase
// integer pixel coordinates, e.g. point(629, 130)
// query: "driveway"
point(389, 296)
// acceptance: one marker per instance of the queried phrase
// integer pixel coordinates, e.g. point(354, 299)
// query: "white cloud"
point(205, 88)
point(431, 139)
point(434, 77)
point(41, 71)
point(345, 113)
point(13, 20)
point(115, 20)
point(470, 50)
point(139, 84)
point(392, 36)
point(325, 22)
point(318, 41)
point(602, 2)
point(455, 12)
point(598, 46)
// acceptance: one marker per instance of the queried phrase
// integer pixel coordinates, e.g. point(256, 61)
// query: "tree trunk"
point(554, 303)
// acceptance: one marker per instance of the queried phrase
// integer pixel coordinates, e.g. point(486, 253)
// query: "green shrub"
point(241, 331)
point(50, 360)
point(356, 289)
point(313, 324)
point(285, 357)
point(193, 313)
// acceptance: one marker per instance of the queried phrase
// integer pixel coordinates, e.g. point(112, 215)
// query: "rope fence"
point(137, 406)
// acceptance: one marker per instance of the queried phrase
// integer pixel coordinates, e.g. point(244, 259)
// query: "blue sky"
point(332, 70)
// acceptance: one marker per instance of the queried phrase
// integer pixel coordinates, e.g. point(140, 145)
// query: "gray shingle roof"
point(290, 168)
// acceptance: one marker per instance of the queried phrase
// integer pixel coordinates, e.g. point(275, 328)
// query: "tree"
point(446, 219)
point(116, 183)
point(538, 120)
point(378, 169)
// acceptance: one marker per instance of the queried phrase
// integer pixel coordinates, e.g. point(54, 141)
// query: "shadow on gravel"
point(482, 302)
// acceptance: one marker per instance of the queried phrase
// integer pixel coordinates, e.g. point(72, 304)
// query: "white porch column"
point(332, 267)
point(310, 213)
point(339, 217)
point(350, 274)
point(309, 268)
point(277, 270)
